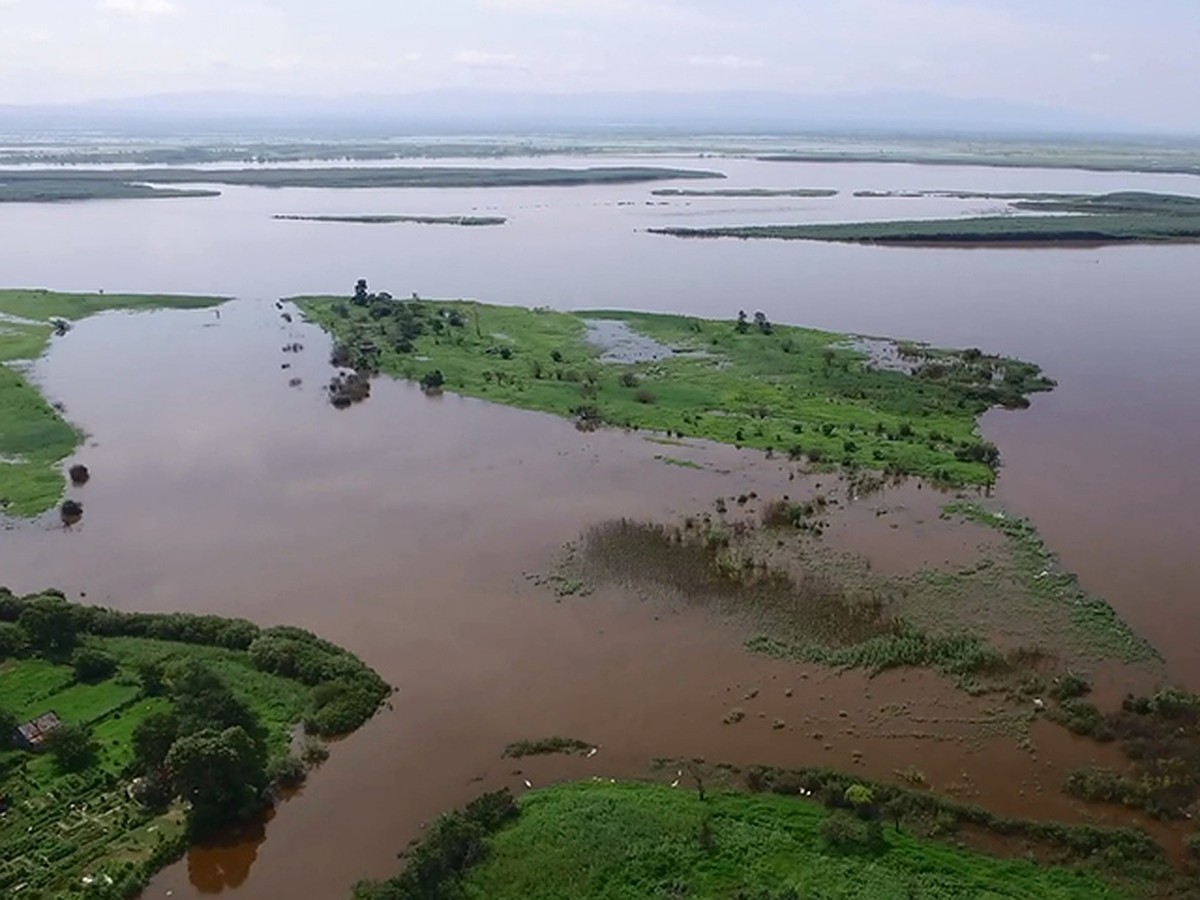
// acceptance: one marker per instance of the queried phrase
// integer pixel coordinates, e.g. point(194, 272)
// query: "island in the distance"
point(1078, 220)
point(398, 219)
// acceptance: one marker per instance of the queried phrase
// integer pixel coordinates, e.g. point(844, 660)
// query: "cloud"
point(479, 59)
point(728, 61)
point(145, 8)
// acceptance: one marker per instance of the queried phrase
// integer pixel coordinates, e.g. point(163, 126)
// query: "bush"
point(433, 381)
point(644, 396)
point(1070, 687)
point(287, 771)
point(848, 833)
point(629, 379)
point(92, 665)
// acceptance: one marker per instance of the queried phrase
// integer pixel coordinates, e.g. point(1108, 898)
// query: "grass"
point(680, 463)
point(1090, 230)
point(782, 388)
point(34, 437)
point(45, 185)
point(746, 192)
point(60, 826)
point(392, 220)
point(545, 747)
point(998, 624)
point(601, 841)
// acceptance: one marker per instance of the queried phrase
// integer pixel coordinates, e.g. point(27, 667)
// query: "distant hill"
point(475, 111)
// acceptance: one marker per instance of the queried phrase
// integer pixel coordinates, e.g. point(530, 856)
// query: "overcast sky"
point(1135, 60)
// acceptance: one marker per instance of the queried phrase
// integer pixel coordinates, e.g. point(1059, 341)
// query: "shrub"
point(844, 832)
point(630, 379)
point(92, 665)
point(1070, 687)
point(644, 396)
point(433, 381)
point(286, 771)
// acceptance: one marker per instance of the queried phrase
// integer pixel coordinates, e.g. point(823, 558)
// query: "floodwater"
point(404, 528)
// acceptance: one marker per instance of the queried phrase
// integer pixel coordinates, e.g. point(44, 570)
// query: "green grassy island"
point(830, 398)
point(1090, 220)
point(48, 185)
point(627, 841)
point(126, 736)
point(34, 436)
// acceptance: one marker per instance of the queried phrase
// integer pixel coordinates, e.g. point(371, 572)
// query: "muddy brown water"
point(403, 528)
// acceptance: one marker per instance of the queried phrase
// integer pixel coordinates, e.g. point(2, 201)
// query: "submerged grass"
point(34, 437)
point(772, 387)
point(546, 747)
point(596, 840)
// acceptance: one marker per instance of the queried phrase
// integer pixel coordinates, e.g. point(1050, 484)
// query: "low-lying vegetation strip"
point(141, 732)
point(34, 436)
point(42, 185)
point(594, 840)
point(1089, 230)
point(746, 381)
point(745, 192)
point(546, 746)
point(400, 219)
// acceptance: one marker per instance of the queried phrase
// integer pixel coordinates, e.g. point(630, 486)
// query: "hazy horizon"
point(1090, 65)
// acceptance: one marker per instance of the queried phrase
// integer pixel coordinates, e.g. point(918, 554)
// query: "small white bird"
point(527, 783)
point(591, 752)
point(675, 783)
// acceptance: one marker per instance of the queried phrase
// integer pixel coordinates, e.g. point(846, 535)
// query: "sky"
point(1136, 61)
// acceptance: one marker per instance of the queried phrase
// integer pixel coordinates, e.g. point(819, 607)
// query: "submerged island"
point(830, 398)
point(1081, 220)
point(125, 737)
point(399, 219)
point(746, 192)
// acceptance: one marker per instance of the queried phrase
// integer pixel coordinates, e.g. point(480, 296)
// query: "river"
point(404, 528)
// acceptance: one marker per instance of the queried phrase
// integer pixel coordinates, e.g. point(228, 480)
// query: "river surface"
point(404, 528)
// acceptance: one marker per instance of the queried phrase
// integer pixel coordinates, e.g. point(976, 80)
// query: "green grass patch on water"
point(791, 390)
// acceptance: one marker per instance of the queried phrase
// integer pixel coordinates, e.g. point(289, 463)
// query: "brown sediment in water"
point(403, 528)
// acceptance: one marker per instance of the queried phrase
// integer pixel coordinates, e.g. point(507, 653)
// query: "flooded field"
point(407, 528)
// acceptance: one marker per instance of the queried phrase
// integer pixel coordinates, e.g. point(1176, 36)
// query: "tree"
point(152, 740)
point(203, 701)
point(742, 325)
point(92, 665)
point(72, 747)
point(49, 624)
point(223, 775)
point(152, 676)
point(760, 320)
point(361, 297)
point(8, 726)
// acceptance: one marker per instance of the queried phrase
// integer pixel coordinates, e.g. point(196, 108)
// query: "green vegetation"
point(546, 746)
point(53, 189)
point(600, 840)
point(773, 387)
point(747, 192)
point(34, 437)
point(1093, 624)
point(392, 220)
point(1160, 735)
point(172, 726)
point(36, 185)
point(678, 463)
point(1090, 230)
